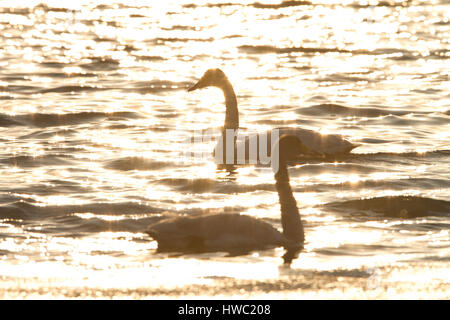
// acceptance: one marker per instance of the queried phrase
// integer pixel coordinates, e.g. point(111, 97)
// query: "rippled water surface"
point(94, 117)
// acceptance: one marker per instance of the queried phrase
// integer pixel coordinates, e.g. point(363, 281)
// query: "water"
point(95, 115)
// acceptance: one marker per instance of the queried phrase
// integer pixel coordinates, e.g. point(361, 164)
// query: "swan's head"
point(211, 78)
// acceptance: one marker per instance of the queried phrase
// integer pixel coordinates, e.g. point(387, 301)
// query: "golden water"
point(94, 116)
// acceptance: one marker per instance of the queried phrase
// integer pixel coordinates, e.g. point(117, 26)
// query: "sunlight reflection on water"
point(94, 122)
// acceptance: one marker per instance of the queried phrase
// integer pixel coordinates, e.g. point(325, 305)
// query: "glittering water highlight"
point(95, 115)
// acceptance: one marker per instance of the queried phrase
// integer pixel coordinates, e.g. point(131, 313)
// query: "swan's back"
point(325, 144)
point(214, 232)
point(315, 143)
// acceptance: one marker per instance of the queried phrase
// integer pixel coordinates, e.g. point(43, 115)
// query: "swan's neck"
point(290, 216)
point(232, 114)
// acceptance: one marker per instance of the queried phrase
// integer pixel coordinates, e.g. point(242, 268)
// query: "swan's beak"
point(194, 87)
point(202, 83)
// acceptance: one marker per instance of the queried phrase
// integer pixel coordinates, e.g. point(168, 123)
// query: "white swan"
point(239, 233)
point(317, 143)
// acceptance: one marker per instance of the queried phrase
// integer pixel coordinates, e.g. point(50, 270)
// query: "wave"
point(387, 155)
point(258, 5)
point(46, 8)
point(204, 185)
point(335, 109)
point(296, 3)
point(155, 86)
point(20, 11)
point(53, 64)
point(47, 134)
point(68, 220)
point(25, 210)
point(379, 156)
point(53, 119)
point(163, 40)
point(190, 185)
point(394, 206)
point(222, 187)
point(211, 5)
point(283, 4)
point(101, 64)
point(36, 161)
point(24, 89)
point(56, 75)
point(398, 184)
point(261, 49)
point(442, 23)
point(59, 75)
point(149, 58)
point(7, 121)
point(427, 91)
point(44, 188)
point(391, 53)
point(342, 77)
point(136, 163)
point(380, 4)
point(75, 88)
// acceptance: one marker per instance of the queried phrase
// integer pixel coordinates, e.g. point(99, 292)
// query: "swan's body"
point(214, 232)
point(317, 143)
point(235, 232)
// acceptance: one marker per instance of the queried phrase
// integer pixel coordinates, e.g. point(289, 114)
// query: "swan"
point(317, 144)
point(232, 232)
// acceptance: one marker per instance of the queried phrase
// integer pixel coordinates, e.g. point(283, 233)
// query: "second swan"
point(235, 232)
point(317, 144)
